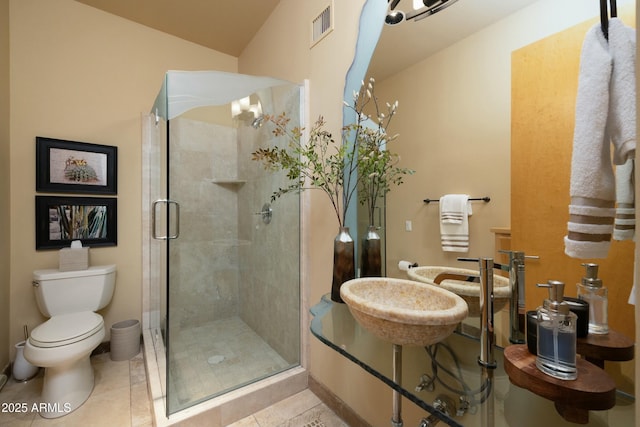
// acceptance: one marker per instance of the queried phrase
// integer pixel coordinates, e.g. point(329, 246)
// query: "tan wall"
point(81, 74)
point(4, 184)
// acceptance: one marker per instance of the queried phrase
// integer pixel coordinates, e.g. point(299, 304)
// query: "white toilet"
point(63, 344)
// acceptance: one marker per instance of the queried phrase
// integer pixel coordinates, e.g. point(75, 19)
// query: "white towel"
point(454, 222)
point(625, 221)
point(622, 128)
point(621, 125)
point(452, 208)
point(592, 187)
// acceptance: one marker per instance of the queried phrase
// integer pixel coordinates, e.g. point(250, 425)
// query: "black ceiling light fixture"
point(420, 10)
point(394, 16)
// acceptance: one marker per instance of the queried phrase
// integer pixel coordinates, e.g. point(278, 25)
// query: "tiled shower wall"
point(227, 262)
point(270, 278)
point(204, 259)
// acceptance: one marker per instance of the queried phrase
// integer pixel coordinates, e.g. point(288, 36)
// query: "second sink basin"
point(469, 291)
point(403, 312)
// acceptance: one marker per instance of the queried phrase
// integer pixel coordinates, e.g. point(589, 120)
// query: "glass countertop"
point(449, 371)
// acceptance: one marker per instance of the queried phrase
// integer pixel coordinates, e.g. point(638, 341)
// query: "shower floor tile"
point(215, 357)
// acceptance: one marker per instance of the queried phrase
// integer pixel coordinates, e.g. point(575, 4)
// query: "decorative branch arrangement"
point(361, 162)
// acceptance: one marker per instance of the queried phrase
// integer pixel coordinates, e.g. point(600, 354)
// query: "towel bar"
point(486, 199)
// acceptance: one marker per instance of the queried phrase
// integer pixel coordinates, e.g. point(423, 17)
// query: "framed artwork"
point(75, 167)
point(60, 220)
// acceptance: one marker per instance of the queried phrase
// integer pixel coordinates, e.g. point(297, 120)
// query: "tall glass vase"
point(344, 265)
point(370, 255)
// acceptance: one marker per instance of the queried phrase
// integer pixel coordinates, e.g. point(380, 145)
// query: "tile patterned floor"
point(304, 409)
point(120, 399)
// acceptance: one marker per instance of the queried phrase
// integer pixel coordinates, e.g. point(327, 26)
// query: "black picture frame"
point(75, 167)
point(95, 219)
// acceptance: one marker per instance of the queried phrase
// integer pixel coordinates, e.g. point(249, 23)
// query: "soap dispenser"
point(594, 293)
point(556, 335)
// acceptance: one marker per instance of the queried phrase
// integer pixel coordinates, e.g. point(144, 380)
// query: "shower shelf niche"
point(229, 181)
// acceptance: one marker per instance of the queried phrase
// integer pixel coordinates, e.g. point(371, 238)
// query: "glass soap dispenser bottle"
point(556, 335)
point(592, 292)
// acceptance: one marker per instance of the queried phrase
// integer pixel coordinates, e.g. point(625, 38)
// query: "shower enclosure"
point(222, 304)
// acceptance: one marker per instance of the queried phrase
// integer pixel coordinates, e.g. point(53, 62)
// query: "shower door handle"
point(154, 209)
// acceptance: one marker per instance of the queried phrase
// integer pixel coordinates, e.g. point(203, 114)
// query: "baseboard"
point(341, 409)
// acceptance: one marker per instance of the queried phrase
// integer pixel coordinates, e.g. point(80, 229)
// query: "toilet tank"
point(63, 292)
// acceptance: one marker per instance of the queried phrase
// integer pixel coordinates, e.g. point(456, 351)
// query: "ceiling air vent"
point(322, 25)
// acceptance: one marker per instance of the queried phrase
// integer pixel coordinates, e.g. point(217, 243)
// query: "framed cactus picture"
point(61, 220)
point(75, 167)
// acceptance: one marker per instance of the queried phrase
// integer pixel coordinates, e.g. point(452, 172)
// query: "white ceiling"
point(228, 26)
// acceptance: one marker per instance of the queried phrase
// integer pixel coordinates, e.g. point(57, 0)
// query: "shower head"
point(257, 122)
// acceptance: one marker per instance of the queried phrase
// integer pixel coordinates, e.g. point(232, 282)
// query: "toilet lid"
point(66, 329)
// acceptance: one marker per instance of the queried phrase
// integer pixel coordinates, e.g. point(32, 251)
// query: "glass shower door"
point(232, 256)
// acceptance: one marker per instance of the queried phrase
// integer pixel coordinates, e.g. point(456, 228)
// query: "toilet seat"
point(66, 329)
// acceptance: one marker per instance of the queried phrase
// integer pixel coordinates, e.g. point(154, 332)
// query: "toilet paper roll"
point(406, 265)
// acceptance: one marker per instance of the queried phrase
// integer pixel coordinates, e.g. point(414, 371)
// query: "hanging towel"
point(592, 189)
point(454, 222)
point(452, 208)
point(621, 124)
point(625, 222)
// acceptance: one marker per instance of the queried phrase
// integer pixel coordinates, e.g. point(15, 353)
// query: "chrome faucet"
point(487, 324)
point(487, 321)
point(516, 305)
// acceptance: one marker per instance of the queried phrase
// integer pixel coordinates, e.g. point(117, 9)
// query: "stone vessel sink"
point(469, 291)
point(403, 312)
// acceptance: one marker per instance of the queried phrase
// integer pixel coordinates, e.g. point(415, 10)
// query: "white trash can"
point(125, 339)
